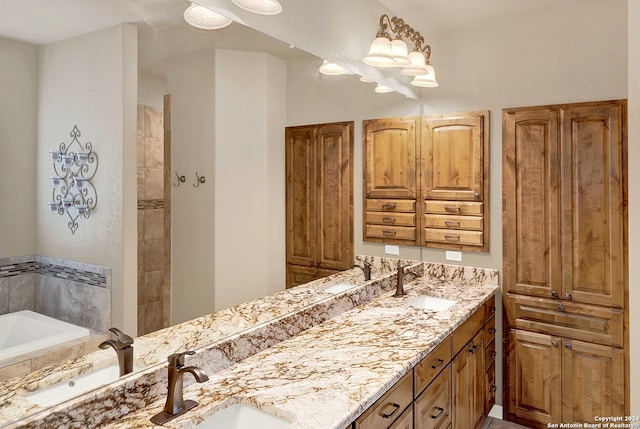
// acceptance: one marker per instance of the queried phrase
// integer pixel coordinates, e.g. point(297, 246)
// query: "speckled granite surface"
point(265, 335)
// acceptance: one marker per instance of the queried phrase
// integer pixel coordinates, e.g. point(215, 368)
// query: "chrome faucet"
point(175, 404)
point(400, 282)
point(124, 349)
point(366, 270)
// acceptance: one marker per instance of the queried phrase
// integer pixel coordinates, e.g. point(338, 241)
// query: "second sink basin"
point(239, 416)
point(68, 389)
point(431, 303)
point(337, 287)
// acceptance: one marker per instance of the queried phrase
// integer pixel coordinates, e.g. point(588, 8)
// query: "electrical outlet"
point(451, 255)
point(391, 250)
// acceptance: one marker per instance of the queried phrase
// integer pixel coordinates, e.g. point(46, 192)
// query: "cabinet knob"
point(315, 272)
point(554, 294)
point(476, 195)
point(554, 343)
point(568, 296)
point(568, 346)
point(561, 307)
point(493, 388)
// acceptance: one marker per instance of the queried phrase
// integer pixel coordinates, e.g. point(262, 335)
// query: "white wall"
point(249, 176)
point(634, 199)
point(190, 83)
point(18, 148)
point(90, 81)
point(572, 55)
point(151, 90)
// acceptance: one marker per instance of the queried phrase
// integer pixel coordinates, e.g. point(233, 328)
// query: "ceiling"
point(163, 32)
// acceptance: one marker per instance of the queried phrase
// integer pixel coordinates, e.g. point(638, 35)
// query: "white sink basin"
point(337, 287)
point(240, 416)
point(431, 303)
point(68, 389)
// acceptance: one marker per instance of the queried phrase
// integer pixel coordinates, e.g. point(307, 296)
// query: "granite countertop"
point(326, 376)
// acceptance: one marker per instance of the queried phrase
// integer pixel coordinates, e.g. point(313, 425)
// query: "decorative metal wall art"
point(73, 192)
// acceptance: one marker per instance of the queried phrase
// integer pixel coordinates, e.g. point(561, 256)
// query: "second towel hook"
point(199, 180)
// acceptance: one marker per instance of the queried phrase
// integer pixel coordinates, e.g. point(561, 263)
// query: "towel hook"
point(199, 180)
point(181, 179)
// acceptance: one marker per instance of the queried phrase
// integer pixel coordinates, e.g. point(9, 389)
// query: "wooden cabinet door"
point(390, 162)
point(432, 409)
point(453, 157)
point(593, 381)
point(531, 201)
point(300, 274)
point(334, 196)
point(468, 392)
point(533, 375)
point(300, 195)
point(594, 212)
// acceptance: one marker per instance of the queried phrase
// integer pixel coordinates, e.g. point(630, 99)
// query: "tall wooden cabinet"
point(319, 200)
point(426, 181)
point(565, 262)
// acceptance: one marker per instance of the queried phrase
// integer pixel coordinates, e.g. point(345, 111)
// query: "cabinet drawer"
point(389, 407)
point(567, 319)
point(463, 334)
point(431, 365)
point(405, 421)
point(405, 206)
point(489, 331)
point(432, 409)
point(391, 232)
point(384, 218)
point(490, 388)
point(454, 208)
point(489, 354)
point(490, 308)
point(474, 223)
point(452, 236)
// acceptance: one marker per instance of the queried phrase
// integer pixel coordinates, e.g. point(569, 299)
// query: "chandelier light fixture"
point(332, 69)
point(389, 49)
point(206, 19)
point(261, 7)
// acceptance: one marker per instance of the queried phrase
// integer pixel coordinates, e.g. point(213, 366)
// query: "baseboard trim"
point(496, 412)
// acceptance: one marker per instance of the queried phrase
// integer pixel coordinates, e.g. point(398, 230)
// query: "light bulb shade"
point(261, 7)
point(365, 79)
point(426, 80)
point(380, 53)
point(381, 89)
point(206, 19)
point(417, 67)
point(400, 53)
point(331, 69)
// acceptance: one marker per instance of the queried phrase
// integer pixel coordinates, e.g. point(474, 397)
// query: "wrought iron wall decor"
point(74, 166)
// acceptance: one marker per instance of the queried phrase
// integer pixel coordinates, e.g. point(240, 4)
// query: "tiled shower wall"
point(70, 291)
point(151, 228)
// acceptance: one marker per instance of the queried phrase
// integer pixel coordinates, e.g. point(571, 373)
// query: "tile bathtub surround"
point(231, 335)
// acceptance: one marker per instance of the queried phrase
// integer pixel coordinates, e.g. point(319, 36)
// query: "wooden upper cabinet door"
point(453, 156)
point(300, 195)
point(593, 195)
point(390, 163)
point(531, 202)
point(334, 193)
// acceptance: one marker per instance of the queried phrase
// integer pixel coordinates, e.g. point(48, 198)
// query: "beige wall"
point(18, 149)
point(90, 81)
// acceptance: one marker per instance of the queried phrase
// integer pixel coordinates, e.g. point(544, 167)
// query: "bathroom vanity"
point(340, 355)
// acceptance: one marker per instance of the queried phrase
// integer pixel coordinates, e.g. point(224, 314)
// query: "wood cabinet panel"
point(389, 407)
point(463, 333)
point(454, 236)
point(386, 218)
point(468, 392)
point(474, 223)
point(534, 377)
point(454, 208)
point(408, 206)
point(429, 367)
point(593, 221)
point(490, 388)
point(300, 274)
point(391, 234)
point(405, 421)
point(593, 381)
point(390, 162)
point(432, 409)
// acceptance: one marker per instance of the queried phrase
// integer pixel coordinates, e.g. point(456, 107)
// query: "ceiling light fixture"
point(261, 7)
point(390, 50)
point(332, 69)
point(382, 89)
point(206, 19)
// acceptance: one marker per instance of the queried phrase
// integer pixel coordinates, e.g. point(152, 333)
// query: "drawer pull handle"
point(438, 365)
point(387, 206)
point(450, 223)
point(492, 309)
point(440, 411)
point(473, 349)
point(493, 388)
point(389, 219)
point(492, 331)
point(396, 407)
point(561, 307)
point(493, 354)
point(450, 209)
point(389, 233)
point(452, 237)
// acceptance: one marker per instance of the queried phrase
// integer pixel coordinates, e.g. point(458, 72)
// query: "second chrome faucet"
point(176, 404)
point(123, 345)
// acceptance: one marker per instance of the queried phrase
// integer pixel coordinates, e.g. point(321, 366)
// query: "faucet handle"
point(177, 359)
point(124, 339)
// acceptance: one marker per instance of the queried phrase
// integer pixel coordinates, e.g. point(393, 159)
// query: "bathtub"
point(26, 331)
